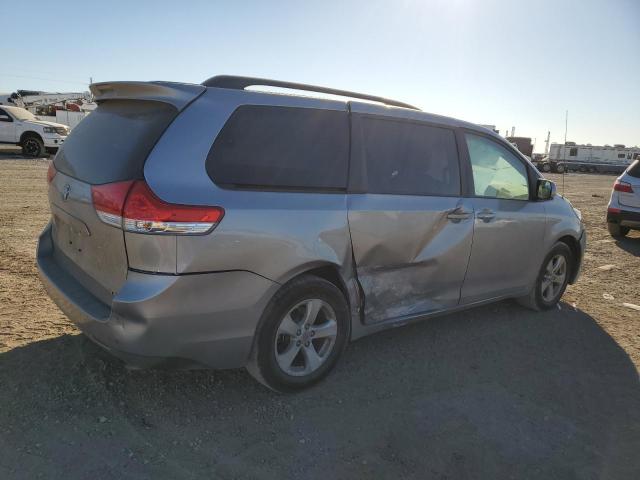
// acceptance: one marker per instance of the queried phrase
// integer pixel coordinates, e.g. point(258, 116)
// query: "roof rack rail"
point(240, 83)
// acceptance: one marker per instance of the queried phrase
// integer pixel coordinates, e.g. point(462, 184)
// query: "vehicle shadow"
point(496, 392)
point(9, 152)
point(630, 245)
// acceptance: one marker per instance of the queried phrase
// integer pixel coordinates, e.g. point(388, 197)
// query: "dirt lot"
point(496, 392)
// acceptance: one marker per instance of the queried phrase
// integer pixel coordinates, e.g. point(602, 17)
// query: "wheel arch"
point(30, 133)
point(576, 252)
point(325, 270)
point(343, 277)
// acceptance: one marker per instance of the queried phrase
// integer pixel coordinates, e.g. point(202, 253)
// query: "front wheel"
point(302, 333)
point(32, 146)
point(560, 168)
point(552, 279)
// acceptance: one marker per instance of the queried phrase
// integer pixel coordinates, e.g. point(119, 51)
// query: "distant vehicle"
point(587, 158)
point(212, 224)
point(623, 212)
point(523, 144)
point(21, 127)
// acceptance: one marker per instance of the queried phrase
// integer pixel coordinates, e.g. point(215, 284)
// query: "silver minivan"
point(215, 225)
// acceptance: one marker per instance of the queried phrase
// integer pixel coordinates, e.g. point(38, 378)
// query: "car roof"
point(418, 115)
point(12, 107)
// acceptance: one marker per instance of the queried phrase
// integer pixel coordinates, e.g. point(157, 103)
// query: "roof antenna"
point(564, 150)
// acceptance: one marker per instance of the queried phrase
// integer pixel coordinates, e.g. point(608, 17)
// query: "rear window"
point(281, 148)
point(112, 143)
point(410, 158)
point(634, 169)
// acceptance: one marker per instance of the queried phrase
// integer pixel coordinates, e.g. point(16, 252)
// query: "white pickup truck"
point(21, 127)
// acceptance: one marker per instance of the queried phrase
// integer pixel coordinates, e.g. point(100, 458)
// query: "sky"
point(512, 63)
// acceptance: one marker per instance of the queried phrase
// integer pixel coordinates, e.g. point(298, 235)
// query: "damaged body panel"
point(410, 258)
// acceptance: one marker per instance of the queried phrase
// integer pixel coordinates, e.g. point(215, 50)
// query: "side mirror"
point(545, 189)
point(5, 118)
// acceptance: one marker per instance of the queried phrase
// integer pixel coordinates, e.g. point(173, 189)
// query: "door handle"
point(458, 214)
point(486, 215)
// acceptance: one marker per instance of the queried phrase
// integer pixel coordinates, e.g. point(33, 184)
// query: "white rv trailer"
point(588, 158)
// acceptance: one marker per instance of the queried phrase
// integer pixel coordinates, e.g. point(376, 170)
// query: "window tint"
point(113, 142)
point(634, 169)
point(409, 158)
point(281, 148)
point(497, 173)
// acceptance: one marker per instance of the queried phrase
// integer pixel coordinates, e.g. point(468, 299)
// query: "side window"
point(4, 116)
point(281, 148)
point(497, 173)
point(409, 158)
point(573, 152)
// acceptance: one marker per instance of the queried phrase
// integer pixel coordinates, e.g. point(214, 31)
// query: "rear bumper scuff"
point(207, 319)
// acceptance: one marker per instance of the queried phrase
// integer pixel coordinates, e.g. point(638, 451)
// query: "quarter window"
point(409, 158)
point(281, 148)
point(497, 173)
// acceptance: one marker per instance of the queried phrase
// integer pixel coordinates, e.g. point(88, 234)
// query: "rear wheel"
point(32, 146)
point(560, 168)
point(552, 279)
point(546, 167)
point(301, 335)
point(616, 230)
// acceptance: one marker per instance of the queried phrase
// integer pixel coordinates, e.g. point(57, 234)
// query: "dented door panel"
point(410, 257)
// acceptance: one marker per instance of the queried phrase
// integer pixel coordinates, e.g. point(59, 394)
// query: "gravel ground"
point(495, 392)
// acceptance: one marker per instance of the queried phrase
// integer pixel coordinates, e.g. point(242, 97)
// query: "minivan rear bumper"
point(207, 319)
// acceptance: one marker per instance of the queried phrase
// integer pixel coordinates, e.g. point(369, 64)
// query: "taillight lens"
point(51, 172)
point(622, 187)
point(134, 207)
point(108, 200)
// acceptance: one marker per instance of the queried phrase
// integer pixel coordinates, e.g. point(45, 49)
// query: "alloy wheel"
point(554, 277)
point(305, 337)
point(31, 147)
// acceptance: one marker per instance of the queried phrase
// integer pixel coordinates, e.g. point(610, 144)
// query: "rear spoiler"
point(177, 94)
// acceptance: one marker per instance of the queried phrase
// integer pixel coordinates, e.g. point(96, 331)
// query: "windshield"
point(21, 113)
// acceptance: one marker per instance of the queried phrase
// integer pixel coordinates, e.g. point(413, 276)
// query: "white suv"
point(21, 127)
point(623, 211)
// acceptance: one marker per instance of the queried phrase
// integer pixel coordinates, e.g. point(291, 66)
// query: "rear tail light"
point(135, 208)
point(613, 210)
point(622, 187)
point(51, 172)
point(108, 200)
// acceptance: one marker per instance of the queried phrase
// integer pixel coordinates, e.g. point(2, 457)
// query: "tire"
point(540, 298)
point(616, 230)
point(32, 146)
point(273, 349)
point(546, 167)
point(560, 168)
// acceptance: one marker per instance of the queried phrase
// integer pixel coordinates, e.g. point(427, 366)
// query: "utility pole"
point(564, 150)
